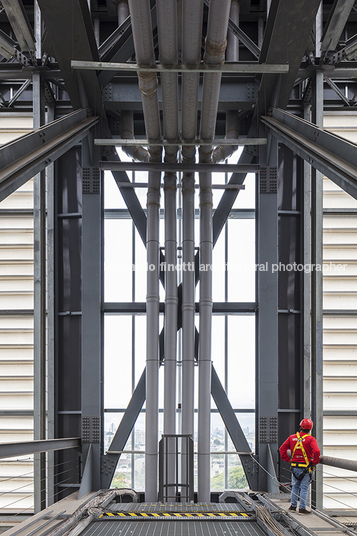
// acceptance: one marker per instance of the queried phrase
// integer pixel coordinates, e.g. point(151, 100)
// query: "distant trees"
point(236, 479)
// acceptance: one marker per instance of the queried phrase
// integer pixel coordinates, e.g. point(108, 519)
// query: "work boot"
point(304, 511)
point(292, 508)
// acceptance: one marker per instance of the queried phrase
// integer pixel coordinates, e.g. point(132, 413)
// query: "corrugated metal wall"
point(340, 328)
point(16, 330)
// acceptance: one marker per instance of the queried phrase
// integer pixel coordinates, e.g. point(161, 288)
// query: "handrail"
point(351, 465)
point(8, 450)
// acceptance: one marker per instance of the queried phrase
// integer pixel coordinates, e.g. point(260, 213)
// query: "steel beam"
point(8, 450)
point(73, 20)
point(175, 168)
point(30, 154)
point(236, 68)
point(20, 24)
point(330, 154)
point(118, 142)
point(219, 308)
point(110, 460)
point(291, 24)
point(338, 16)
point(7, 46)
point(124, 93)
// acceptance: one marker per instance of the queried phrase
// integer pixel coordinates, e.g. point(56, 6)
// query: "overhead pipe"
point(168, 53)
point(191, 56)
point(192, 14)
point(222, 152)
point(127, 117)
point(214, 55)
point(145, 56)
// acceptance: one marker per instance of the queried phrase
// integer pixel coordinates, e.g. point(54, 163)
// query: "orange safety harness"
point(300, 445)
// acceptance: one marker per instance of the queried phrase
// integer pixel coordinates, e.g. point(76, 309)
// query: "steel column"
point(307, 283)
point(92, 223)
point(50, 319)
point(267, 314)
point(317, 298)
point(39, 289)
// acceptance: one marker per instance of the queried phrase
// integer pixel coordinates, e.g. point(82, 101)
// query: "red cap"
point(306, 424)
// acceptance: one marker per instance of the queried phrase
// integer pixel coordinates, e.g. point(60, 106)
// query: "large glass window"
point(233, 334)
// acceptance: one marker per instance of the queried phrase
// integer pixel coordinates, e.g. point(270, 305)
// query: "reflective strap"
point(299, 444)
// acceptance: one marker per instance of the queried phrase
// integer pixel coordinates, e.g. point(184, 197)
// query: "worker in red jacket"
point(305, 454)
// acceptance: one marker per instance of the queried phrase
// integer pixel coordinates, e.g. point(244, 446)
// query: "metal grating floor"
point(175, 507)
point(173, 528)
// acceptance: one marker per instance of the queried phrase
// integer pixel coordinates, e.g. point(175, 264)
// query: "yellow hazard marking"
point(174, 514)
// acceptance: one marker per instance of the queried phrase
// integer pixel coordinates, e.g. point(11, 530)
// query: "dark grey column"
point(91, 369)
point(50, 322)
point(316, 298)
point(267, 314)
point(68, 316)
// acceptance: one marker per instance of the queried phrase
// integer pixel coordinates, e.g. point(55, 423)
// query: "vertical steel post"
point(50, 319)
point(171, 301)
point(267, 314)
point(92, 335)
point(152, 337)
point(317, 281)
point(205, 326)
point(307, 282)
point(39, 288)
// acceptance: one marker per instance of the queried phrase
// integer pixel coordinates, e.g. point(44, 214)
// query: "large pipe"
point(214, 55)
point(127, 117)
point(144, 51)
point(168, 51)
point(192, 11)
point(191, 55)
point(222, 152)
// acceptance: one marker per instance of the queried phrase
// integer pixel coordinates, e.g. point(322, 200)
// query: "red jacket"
point(310, 445)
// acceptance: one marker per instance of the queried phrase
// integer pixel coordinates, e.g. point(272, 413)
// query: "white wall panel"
point(16, 331)
point(340, 331)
